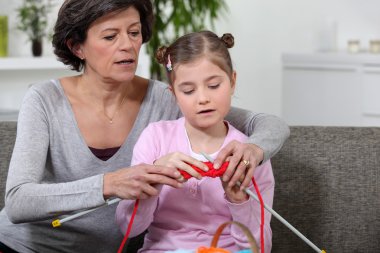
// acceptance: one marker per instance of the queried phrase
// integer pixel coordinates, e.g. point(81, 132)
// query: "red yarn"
point(212, 172)
point(129, 227)
point(262, 214)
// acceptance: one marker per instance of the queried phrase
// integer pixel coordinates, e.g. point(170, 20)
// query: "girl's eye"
point(214, 86)
point(187, 92)
point(111, 37)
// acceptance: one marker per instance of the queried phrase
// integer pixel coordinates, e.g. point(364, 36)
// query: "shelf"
point(330, 59)
point(29, 63)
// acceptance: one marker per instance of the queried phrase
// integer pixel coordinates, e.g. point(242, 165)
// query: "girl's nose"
point(203, 98)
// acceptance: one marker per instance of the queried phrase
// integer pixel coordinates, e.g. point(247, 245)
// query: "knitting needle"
point(274, 213)
point(58, 222)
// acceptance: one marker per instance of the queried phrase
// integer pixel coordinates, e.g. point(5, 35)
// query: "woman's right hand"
point(181, 161)
point(138, 182)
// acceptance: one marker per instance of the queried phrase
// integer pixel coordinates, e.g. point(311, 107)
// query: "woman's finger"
point(242, 171)
point(238, 173)
point(234, 160)
point(223, 154)
point(153, 179)
point(171, 172)
point(246, 181)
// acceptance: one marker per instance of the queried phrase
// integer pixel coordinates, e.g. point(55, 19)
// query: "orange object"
point(211, 250)
point(213, 247)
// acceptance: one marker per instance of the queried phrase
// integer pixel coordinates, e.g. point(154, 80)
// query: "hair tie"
point(169, 64)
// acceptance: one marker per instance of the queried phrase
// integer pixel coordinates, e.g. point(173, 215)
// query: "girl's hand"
point(181, 161)
point(243, 158)
point(234, 194)
point(138, 182)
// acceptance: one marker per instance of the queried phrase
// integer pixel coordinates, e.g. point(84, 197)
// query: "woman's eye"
point(214, 86)
point(111, 37)
point(134, 33)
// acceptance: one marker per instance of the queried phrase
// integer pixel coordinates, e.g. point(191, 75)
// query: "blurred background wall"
point(264, 31)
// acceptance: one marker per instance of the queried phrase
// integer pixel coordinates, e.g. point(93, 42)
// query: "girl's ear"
point(76, 49)
point(171, 89)
point(233, 82)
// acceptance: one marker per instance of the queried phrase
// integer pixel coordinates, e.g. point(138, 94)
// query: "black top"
point(104, 154)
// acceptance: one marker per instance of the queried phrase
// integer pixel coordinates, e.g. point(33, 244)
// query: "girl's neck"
point(208, 140)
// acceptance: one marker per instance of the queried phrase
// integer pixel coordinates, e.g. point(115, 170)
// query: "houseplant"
point(33, 19)
point(177, 17)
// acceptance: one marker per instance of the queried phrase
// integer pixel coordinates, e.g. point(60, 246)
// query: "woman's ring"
point(246, 163)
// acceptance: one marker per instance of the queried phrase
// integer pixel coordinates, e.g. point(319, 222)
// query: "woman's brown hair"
point(76, 16)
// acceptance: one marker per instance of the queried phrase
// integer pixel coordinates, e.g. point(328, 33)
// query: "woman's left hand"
point(243, 159)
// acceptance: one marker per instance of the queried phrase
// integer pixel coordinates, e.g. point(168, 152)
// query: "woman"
point(75, 135)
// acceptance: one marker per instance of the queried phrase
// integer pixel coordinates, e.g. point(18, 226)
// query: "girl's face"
point(112, 47)
point(203, 92)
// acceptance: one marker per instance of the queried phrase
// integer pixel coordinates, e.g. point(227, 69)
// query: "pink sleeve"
point(143, 218)
point(146, 147)
point(249, 213)
point(144, 152)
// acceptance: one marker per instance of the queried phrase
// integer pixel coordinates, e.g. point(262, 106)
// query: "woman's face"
point(112, 47)
point(203, 92)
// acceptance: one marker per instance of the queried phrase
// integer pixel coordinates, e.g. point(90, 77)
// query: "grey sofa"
point(327, 186)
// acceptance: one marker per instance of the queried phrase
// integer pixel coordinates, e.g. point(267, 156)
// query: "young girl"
point(202, 79)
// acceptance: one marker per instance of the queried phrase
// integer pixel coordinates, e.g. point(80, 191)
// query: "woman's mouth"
point(125, 62)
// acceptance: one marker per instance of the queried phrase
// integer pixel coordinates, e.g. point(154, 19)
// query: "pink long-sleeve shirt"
point(187, 218)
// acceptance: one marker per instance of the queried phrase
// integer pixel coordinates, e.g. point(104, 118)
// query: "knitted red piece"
point(212, 172)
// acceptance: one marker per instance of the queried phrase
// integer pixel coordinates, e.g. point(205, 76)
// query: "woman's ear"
point(233, 82)
point(76, 49)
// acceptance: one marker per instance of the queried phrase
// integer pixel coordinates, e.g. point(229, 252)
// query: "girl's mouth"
point(206, 111)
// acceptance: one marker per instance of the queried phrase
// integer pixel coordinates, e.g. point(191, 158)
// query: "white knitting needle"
point(274, 213)
point(58, 222)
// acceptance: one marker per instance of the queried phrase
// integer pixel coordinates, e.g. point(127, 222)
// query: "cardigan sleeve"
point(33, 192)
point(269, 132)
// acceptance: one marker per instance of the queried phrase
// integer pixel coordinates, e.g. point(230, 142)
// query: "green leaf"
point(32, 17)
point(175, 18)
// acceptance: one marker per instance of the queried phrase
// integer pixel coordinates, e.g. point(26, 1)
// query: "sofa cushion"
point(7, 140)
point(327, 186)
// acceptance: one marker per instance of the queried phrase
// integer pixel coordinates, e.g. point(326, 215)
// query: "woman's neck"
point(208, 140)
point(108, 93)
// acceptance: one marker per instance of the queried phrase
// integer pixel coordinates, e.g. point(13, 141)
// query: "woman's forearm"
point(268, 132)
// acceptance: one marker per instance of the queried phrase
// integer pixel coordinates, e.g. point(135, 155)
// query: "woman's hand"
point(181, 161)
point(243, 159)
point(138, 182)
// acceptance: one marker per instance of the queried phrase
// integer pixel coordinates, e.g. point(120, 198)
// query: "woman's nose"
point(125, 42)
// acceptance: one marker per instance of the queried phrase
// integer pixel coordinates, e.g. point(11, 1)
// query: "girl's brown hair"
point(193, 46)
